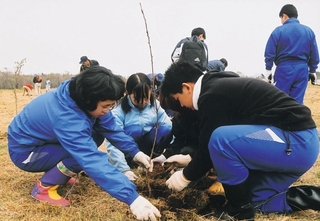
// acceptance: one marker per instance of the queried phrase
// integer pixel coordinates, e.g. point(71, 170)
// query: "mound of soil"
point(195, 198)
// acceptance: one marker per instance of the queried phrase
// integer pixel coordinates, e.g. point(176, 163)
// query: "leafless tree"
point(17, 72)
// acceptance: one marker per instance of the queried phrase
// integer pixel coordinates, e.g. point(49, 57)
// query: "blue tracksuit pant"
point(44, 158)
point(145, 143)
point(258, 153)
point(292, 78)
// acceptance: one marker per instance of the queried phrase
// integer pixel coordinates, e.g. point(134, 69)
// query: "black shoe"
point(244, 214)
point(239, 205)
point(303, 198)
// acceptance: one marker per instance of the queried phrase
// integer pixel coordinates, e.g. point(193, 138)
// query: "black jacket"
point(185, 129)
point(226, 100)
point(92, 63)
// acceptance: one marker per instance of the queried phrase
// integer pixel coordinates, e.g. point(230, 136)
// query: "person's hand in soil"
point(144, 210)
point(160, 159)
point(177, 181)
point(143, 160)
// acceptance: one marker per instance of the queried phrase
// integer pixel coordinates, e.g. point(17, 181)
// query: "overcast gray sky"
point(53, 34)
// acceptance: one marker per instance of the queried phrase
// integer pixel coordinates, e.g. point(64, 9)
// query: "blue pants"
point(292, 78)
point(258, 153)
point(43, 158)
point(145, 141)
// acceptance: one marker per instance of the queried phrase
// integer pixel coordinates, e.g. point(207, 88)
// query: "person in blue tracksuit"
point(258, 139)
point(141, 117)
point(57, 139)
point(292, 47)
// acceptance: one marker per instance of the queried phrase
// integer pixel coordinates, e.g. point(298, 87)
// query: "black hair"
point(95, 84)
point(289, 10)
point(169, 103)
point(198, 31)
point(176, 74)
point(139, 85)
point(224, 62)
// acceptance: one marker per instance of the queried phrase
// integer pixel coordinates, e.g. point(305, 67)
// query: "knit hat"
point(198, 31)
point(289, 10)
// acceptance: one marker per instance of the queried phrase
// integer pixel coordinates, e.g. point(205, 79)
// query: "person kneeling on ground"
point(253, 134)
point(57, 139)
point(141, 117)
point(185, 130)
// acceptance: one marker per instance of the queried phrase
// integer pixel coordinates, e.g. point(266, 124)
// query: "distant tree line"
point(8, 81)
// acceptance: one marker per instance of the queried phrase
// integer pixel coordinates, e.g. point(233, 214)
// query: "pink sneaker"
point(48, 194)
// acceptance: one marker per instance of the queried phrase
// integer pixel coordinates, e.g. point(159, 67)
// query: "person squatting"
point(62, 139)
point(253, 134)
point(250, 132)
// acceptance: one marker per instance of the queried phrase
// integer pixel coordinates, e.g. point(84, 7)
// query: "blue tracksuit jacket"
point(55, 118)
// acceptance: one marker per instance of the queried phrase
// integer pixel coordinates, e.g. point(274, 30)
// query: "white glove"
point(144, 210)
point(131, 175)
point(160, 159)
point(177, 181)
point(180, 159)
point(141, 158)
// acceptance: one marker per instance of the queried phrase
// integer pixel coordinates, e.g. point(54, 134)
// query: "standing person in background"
point(292, 47)
point(57, 139)
point(140, 116)
point(86, 63)
point(217, 65)
point(48, 85)
point(37, 84)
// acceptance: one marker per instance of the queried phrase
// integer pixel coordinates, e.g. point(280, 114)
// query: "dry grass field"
point(88, 201)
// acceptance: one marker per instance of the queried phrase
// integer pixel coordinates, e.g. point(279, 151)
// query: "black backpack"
point(194, 52)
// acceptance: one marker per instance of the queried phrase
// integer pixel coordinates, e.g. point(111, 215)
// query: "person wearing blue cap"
point(157, 82)
point(85, 63)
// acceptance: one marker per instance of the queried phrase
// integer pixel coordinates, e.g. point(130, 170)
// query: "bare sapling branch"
point(152, 94)
point(17, 72)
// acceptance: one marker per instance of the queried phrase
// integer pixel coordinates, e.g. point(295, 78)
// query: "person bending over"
point(58, 139)
point(253, 134)
point(141, 117)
